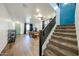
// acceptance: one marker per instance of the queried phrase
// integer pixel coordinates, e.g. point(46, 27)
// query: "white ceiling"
point(20, 10)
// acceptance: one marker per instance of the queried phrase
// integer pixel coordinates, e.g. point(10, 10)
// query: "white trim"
point(77, 22)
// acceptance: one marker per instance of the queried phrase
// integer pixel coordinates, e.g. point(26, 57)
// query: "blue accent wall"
point(67, 13)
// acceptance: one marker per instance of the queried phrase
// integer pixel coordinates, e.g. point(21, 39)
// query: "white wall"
point(57, 9)
point(5, 24)
point(3, 35)
point(58, 16)
point(77, 21)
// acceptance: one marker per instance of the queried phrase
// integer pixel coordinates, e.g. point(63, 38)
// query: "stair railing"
point(44, 34)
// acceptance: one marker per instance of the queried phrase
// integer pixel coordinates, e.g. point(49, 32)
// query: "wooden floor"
point(24, 45)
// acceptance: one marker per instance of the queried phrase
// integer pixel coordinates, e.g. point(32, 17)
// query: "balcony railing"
point(44, 34)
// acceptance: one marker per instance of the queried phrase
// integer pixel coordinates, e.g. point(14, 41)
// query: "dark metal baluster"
point(44, 34)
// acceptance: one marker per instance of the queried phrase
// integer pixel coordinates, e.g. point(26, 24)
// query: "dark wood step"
point(65, 30)
point(65, 34)
point(63, 45)
point(66, 27)
point(47, 52)
point(59, 51)
point(65, 39)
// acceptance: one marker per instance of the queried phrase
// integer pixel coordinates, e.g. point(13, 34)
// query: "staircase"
point(63, 42)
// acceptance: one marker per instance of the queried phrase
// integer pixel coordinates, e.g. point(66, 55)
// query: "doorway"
point(17, 28)
point(28, 27)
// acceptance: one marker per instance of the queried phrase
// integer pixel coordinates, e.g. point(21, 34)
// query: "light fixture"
point(37, 10)
point(39, 18)
point(40, 15)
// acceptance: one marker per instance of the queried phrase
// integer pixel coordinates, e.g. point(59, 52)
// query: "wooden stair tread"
point(63, 42)
point(64, 38)
point(74, 47)
point(47, 52)
point(66, 30)
point(60, 50)
point(65, 34)
point(66, 26)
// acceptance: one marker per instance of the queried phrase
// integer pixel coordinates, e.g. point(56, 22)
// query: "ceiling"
point(20, 11)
